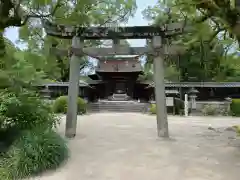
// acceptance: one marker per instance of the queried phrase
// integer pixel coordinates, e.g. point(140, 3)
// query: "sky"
point(137, 20)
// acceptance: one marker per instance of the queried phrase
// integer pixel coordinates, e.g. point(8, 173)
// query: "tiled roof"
point(81, 83)
point(201, 84)
point(167, 84)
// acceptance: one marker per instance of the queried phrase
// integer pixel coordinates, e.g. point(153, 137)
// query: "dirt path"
point(125, 147)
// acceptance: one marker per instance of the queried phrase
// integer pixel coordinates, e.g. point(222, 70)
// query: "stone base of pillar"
point(70, 135)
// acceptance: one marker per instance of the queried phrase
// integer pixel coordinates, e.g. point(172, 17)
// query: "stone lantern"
point(192, 93)
point(229, 102)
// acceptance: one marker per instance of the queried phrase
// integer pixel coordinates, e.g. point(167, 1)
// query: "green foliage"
point(27, 143)
point(229, 69)
point(206, 51)
point(178, 108)
point(60, 105)
point(222, 16)
point(238, 130)
point(152, 109)
point(235, 107)
point(171, 72)
point(37, 57)
point(25, 71)
point(34, 152)
point(24, 110)
point(20, 68)
point(7, 137)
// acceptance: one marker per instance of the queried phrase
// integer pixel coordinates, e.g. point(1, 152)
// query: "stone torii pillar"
point(73, 90)
point(158, 63)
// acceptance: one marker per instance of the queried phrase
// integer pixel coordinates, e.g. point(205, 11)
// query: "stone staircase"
point(119, 97)
point(118, 106)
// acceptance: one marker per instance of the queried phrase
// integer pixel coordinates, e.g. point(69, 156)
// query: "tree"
point(27, 14)
point(16, 69)
point(75, 12)
point(171, 71)
point(205, 51)
point(223, 15)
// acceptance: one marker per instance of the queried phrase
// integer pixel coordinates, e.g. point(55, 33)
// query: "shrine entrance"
point(120, 87)
point(157, 48)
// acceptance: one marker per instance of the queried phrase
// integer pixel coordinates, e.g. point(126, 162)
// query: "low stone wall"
point(219, 107)
point(218, 104)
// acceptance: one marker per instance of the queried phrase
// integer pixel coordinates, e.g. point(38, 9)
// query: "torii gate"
point(158, 50)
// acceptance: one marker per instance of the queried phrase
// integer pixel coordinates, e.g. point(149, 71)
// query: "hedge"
point(235, 107)
point(60, 105)
point(178, 108)
point(152, 109)
point(34, 152)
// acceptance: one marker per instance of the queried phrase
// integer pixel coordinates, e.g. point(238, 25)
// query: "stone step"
point(118, 106)
point(119, 97)
point(118, 102)
point(118, 109)
point(131, 105)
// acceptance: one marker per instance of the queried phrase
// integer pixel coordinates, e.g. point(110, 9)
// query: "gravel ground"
point(125, 146)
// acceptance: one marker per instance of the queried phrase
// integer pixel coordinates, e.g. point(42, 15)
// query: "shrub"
point(235, 128)
point(235, 107)
point(152, 109)
point(178, 110)
point(34, 152)
point(238, 130)
point(60, 105)
point(25, 110)
point(7, 137)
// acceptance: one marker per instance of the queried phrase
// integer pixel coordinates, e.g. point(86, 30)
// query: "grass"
point(34, 152)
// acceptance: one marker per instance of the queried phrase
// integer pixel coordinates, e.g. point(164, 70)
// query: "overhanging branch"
point(215, 34)
point(58, 5)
